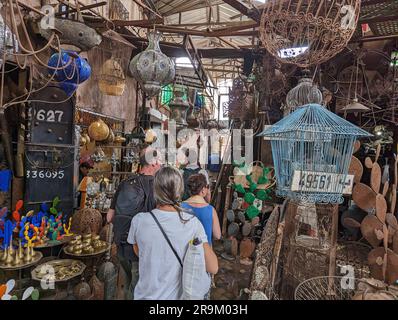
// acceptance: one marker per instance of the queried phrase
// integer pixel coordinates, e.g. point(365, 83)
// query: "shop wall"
point(89, 96)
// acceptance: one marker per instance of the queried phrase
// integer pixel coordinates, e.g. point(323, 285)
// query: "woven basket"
point(112, 80)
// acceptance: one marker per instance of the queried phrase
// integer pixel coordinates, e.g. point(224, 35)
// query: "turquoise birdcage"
point(312, 149)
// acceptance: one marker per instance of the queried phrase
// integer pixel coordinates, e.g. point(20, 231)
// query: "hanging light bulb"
point(355, 107)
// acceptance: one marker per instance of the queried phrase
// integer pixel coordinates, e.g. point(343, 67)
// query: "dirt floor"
point(232, 278)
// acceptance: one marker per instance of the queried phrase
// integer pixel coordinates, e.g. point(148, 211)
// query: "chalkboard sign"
point(49, 172)
point(51, 118)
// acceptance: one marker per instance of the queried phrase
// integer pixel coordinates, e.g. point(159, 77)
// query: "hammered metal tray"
point(35, 260)
point(95, 253)
point(54, 243)
point(57, 264)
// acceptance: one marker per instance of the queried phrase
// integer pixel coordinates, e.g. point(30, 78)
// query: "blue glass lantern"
point(68, 87)
point(71, 67)
point(312, 149)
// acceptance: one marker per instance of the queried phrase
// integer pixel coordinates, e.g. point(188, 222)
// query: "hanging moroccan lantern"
point(112, 80)
point(304, 93)
point(8, 40)
point(151, 68)
point(306, 32)
point(179, 107)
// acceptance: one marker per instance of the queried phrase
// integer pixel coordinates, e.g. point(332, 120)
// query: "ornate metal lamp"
point(304, 93)
point(179, 107)
point(312, 149)
point(306, 32)
point(8, 40)
point(151, 68)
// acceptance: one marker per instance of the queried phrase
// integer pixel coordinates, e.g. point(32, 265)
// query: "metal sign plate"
point(51, 116)
point(322, 182)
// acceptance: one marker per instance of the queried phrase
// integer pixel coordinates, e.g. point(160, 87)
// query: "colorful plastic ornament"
point(30, 236)
point(67, 229)
point(38, 218)
point(249, 198)
point(16, 215)
point(252, 212)
point(6, 233)
point(263, 195)
point(239, 188)
point(53, 209)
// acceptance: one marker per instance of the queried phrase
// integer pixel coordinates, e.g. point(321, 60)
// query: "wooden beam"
point(229, 43)
point(374, 38)
point(138, 23)
point(88, 7)
point(68, 4)
point(237, 5)
point(145, 7)
point(28, 7)
point(222, 32)
point(381, 18)
point(221, 53)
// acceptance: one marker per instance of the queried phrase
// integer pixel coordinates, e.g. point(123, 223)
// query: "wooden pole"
point(227, 204)
point(334, 211)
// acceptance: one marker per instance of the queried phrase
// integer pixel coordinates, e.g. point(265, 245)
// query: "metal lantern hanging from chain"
point(152, 68)
point(307, 32)
point(8, 40)
point(179, 107)
point(304, 93)
point(312, 149)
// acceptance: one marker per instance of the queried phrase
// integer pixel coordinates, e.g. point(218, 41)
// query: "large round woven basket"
point(340, 288)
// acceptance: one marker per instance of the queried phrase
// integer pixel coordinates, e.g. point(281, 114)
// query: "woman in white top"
point(160, 273)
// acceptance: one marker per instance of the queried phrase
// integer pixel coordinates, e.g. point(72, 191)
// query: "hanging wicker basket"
point(112, 80)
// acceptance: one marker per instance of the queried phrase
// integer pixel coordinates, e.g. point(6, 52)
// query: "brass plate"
point(95, 253)
point(59, 263)
point(54, 243)
point(35, 260)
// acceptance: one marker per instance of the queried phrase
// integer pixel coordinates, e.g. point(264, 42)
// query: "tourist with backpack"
point(133, 195)
point(161, 239)
point(192, 168)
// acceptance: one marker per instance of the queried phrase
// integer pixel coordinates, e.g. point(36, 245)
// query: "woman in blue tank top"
point(198, 189)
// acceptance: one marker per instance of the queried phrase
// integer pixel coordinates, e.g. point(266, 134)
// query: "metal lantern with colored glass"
point(152, 68)
point(312, 149)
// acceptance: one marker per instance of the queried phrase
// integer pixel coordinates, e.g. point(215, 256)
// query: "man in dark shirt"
point(134, 195)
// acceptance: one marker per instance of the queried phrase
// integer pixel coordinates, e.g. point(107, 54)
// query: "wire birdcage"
point(312, 150)
point(306, 32)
